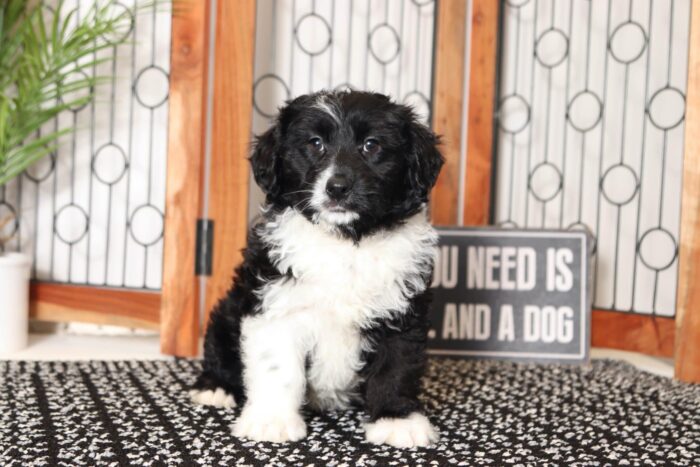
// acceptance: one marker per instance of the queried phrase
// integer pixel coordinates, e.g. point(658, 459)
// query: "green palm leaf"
point(44, 58)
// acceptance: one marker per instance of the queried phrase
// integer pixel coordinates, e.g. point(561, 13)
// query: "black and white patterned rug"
point(139, 413)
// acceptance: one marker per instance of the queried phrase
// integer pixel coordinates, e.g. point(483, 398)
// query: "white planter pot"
point(14, 301)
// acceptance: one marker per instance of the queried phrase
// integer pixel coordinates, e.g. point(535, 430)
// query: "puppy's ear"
point(425, 160)
point(264, 161)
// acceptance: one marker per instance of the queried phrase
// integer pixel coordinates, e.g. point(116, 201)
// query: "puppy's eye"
point(371, 146)
point(316, 144)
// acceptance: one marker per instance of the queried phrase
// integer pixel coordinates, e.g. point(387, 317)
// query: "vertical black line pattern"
point(349, 56)
point(45, 409)
point(669, 66)
point(163, 419)
point(495, 133)
point(567, 93)
point(112, 118)
point(10, 394)
point(645, 118)
point(402, 51)
point(516, 60)
point(330, 59)
point(18, 238)
point(105, 418)
point(601, 150)
point(533, 88)
point(130, 149)
point(53, 211)
point(291, 45)
point(369, 45)
point(92, 175)
point(418, 44)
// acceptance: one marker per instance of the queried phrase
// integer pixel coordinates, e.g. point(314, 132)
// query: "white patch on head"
point(326, 105)
point(319, 200)
point(218, 398)
point(412, 431)
point(337, 288)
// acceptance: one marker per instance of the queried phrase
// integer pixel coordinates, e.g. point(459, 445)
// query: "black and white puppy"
point(329, 305)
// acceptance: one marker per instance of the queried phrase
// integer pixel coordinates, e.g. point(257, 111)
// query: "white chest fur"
point(362, 282)
point(337, 289)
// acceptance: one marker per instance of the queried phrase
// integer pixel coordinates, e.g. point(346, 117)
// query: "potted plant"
point(46, 56)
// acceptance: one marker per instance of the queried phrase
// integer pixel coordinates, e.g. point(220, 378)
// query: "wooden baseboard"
point(650, 335)
point(65, 303)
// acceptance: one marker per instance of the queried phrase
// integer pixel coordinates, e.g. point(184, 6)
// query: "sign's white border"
point(484, 232)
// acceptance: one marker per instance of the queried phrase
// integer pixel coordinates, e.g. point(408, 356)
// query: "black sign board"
point(511, 294)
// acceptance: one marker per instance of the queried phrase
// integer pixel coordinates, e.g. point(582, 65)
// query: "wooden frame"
point(448, 108)
point(187, 117)
point(64, 303)
point(449, 105)
point(448, 102)
point(688, 305)
point(483, 89)
point(651, 335)
point(231, 133)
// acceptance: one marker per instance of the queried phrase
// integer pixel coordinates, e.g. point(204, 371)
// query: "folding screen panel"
point(109, 219)
point(573, 116)
point(590, 136)
point(92, 213)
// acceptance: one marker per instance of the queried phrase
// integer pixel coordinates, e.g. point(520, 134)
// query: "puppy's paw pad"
point(414, 430)
point(217, 398)
point(273, 428)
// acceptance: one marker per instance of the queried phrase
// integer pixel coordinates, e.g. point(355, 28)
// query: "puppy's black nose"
point(338, 186)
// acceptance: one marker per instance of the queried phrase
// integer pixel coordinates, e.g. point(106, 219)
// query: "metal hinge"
point(205, 246)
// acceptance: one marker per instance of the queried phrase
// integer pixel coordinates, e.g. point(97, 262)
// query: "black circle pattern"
point(393, 52)
point(145, 100)
point(38, 177)
point(8, 210)
point(655, 245)
point(143, 219)
point(618, 32)
point(548, 39)
point(305, 22)
point(106, 151)
point(66, 219)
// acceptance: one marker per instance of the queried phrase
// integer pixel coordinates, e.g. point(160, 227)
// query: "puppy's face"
point(354, 161)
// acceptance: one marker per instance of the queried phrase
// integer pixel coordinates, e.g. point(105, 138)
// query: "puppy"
point(329, 305)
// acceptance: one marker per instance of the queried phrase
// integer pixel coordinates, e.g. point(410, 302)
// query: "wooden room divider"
point(175, 308)
point(649, 334)
point(208, 177)
point(172, 310)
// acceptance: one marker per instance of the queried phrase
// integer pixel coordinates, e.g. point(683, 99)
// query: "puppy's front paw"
point(276, 428)
point(414, 430)
point(218, 398)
